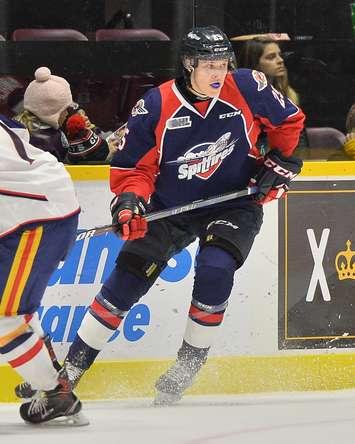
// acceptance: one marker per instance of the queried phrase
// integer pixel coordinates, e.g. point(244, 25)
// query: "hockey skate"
point(24, 390)
point(180, 376)
point(59, 406)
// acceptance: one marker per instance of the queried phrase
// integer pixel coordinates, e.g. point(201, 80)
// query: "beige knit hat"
point(47, 96)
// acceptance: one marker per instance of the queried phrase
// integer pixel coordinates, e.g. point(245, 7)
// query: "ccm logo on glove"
point(274, 176)
point(279, 170)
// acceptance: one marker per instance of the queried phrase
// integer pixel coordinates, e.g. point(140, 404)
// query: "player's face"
point(208, 76)
point(271, 63)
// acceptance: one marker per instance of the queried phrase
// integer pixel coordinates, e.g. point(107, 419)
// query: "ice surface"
point(291, 418)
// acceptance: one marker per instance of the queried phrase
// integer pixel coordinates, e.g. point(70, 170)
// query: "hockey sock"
point(213, 283)
point(202, 323)
point(24, 350)
point(99, 324)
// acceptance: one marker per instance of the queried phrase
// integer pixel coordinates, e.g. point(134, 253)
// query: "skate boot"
point(59, 406)
point(181, 375)
point(25, 390)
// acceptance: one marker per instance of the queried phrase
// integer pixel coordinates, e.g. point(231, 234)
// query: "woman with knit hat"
point(46, 101)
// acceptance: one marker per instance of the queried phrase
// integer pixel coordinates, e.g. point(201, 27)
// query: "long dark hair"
point(249, 57)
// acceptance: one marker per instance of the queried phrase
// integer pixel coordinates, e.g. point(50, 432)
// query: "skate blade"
point(166, 399)
point(77, 420)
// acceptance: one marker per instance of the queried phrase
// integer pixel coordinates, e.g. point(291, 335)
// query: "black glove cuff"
point(130, 201)
point(291, 163)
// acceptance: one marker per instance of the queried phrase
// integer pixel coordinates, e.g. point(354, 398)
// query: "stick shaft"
point(155, 215)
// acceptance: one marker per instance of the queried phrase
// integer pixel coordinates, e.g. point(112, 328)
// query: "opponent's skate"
point(25, 390)
point(58, 406)
point(74, 374)
point(180, 376)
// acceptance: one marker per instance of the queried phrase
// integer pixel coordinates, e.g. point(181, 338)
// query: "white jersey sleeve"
point(34, 186)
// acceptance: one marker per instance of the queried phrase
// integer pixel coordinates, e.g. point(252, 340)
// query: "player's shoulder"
point(10, 123)
point(250, 79)
point(15, 127)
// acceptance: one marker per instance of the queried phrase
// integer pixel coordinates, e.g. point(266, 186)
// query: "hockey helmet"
point(206, 43)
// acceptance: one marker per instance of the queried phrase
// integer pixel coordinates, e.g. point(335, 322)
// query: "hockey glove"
point(274, 176)
point(128, 211)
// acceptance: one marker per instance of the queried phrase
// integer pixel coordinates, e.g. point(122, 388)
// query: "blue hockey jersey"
point(175, 154)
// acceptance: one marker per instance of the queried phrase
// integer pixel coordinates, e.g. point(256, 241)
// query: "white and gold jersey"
point(34, 186)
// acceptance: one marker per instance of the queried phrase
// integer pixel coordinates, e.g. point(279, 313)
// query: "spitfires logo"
point(204, 159)
point(139, 108)
point(260, 79)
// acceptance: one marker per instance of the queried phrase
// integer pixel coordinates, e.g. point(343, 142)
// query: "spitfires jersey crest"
point(139, 108)
point(204, 159)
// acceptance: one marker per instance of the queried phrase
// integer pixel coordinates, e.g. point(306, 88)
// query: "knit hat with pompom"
point(84, 144)
point(47, 96)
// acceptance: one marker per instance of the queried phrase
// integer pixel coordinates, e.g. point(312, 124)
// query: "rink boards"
point(290, 322)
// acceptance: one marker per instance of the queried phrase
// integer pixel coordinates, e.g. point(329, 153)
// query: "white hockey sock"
point(94, 333)
point(203, 323)
point(32, 362)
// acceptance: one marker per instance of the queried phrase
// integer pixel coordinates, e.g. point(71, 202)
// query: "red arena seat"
point(29, 34)
point(147, 34)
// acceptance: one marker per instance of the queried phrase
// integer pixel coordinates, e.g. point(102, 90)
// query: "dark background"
point(108, 78)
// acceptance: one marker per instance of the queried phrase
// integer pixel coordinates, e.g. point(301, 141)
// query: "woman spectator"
point(349, 145)
point(46, 100)
point(263, 53)
point(48, 110)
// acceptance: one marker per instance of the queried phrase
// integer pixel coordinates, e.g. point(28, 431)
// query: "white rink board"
point(155, 328)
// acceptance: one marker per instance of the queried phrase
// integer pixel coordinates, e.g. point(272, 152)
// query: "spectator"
point(349, 145)
point(46, 100)
point(84, 143)
point(48, 107)
point(86, 140)
point(263, 53)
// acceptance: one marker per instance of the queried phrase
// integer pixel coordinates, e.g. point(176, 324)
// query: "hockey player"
point(38, 224)
point(194, 136)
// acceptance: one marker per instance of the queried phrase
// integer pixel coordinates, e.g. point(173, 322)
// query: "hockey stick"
point(155, 215)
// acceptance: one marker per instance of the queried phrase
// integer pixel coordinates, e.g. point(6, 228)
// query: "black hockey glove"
point(274, 176)
point(128, 211)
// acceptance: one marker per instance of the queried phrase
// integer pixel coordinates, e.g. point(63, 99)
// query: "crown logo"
point(345, 263)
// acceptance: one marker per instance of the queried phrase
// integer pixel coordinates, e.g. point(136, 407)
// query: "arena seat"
point(325, 137)
point(31, 34)
point(126, 90)
point(145, 34)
